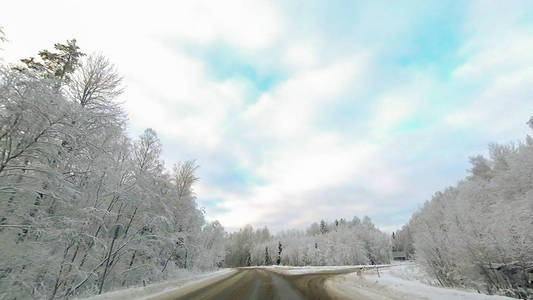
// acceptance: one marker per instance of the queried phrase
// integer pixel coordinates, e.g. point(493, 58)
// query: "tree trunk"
point(108, 260)
point(129, 267)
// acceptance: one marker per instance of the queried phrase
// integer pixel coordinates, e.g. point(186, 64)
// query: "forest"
point(479, 233)
point(339, 243)
point(85, 209)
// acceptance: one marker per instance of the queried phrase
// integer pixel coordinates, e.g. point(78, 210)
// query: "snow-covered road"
point(401, 281)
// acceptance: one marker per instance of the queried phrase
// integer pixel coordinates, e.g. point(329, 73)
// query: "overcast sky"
point(298, 111)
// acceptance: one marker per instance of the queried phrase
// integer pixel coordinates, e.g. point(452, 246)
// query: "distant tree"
point(263, 234)
point(249, 260)
point(480, 167)
point(348, 245)
point(323, 227)
point(2, 35)
point(342, 222)
point(280, 249)
point(268, 259)
point(3, 39)
point(394, 247)
point(367, 221)
point(314, 229)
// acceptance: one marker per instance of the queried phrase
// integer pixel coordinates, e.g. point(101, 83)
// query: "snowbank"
point(292, 270)
point(401, 281)
point(161, 287)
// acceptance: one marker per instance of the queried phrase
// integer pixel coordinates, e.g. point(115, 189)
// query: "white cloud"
point(498, 64)
point(301, 55)
point(492, 55)
point(302, 167)
point(399, 104)
point(501, 109)
point(288, 110)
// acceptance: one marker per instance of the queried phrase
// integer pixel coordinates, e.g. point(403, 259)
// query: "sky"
point(298, 111)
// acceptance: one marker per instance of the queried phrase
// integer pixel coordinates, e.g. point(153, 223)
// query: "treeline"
point(84, 209)
point(479, 233)
point(339, 243)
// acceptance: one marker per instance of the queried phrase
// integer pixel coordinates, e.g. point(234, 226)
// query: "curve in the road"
point(246, 284)
point(258, 283)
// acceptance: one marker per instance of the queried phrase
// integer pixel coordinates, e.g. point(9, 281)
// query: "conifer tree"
point(268, 260)
point(58, 64)
point(280, 249)
point(323, 227)
point(249, 260)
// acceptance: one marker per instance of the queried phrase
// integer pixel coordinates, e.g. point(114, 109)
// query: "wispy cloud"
point(309, 109)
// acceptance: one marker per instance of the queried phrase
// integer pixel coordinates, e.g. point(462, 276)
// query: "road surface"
point(258, 283)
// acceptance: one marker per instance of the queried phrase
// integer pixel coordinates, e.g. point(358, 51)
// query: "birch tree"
point(84, 209)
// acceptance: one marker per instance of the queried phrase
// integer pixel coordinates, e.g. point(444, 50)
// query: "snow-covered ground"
point(399, 281)
point(291, 270)
point(156, 289)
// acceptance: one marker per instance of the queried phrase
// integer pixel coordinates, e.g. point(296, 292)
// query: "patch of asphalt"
point(244, 284)
point(284, 290)
point(261, 283)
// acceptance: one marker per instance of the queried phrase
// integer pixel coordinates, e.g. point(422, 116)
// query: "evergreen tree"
point(249, 260)
point(323, 227)
point(268, 260)
point(57, 64)
point(278, 260)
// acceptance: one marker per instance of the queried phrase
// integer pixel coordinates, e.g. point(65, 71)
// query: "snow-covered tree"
point(83, 209)
point(478, 233)
point(352, 243)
